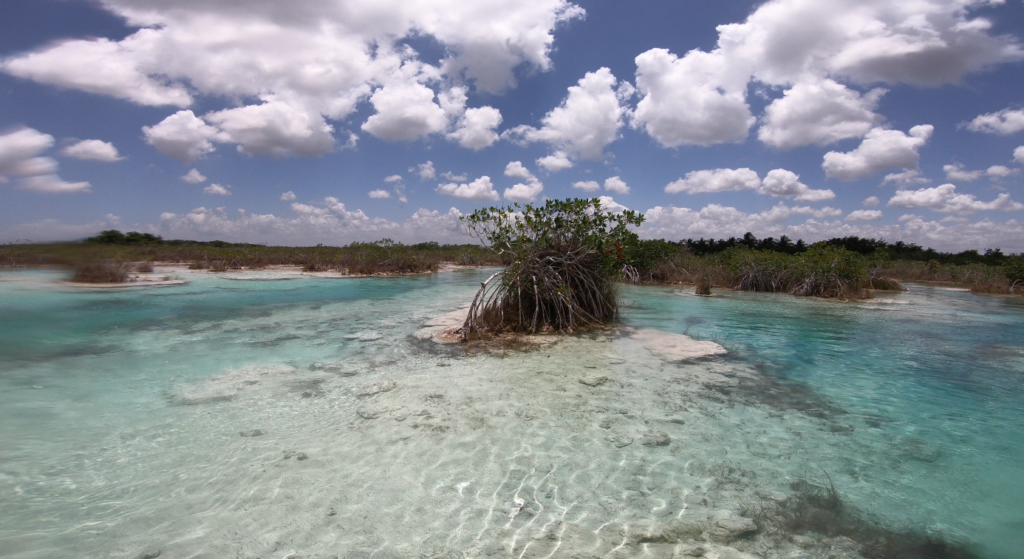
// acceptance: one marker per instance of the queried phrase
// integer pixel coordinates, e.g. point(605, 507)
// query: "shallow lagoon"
point(260, 418)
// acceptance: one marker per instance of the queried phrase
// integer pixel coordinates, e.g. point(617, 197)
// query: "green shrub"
point(563, 257)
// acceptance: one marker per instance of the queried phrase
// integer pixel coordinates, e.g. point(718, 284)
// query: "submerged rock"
point(252, 433)
point(593, 380)
point(367, 390)
point(655, 438)
point(731, 526)
point(675, 347)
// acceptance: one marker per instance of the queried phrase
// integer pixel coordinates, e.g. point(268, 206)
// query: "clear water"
point(259, 418)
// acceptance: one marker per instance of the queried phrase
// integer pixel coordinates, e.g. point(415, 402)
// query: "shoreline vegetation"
point(839, 268)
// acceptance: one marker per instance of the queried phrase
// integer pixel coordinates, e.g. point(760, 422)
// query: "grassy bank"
point(381, 257)
point(839, 268)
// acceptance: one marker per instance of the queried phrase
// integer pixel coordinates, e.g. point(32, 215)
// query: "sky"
point(333, 121)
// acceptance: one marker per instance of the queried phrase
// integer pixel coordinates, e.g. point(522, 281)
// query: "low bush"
point(105, 271)
point(562, 260)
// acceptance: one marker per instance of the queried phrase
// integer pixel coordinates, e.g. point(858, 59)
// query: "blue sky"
point(313, 121)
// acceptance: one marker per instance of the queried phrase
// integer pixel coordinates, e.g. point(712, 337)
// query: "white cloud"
point(871, 201)
point(193, 177)
point(780, 182)
point(516, 169)
point(476, 128)
point(53, 184)
point(405, 111)
point(183, 136)
point(555, 162)
point(1006, 121)
point(393, 178)
point(585, 123)
point(21, 157)
point(448, 175)
point(20, 153)
point(617, 185)
point(379, 194)
point(864, 215)
point(700, 99)
point(588, 186)
point(609, 203)
point(426, 170)
point(94, 150)
point(717, 180)
point(274, 128)
point(956, 172)
point(218, 190)
point(881, 149)
point(909, 176)
point(526, 191)
point(722, 222)
point(321, 59)
point(288, 196)
point(104, 67)
point(481, 189)
point(1000, 171)
point(925, 42)
point(696, 100)
point(945, 199)
point(1018, 155)
point(819, 112)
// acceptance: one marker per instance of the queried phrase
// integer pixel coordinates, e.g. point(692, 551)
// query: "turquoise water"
point(301, 417)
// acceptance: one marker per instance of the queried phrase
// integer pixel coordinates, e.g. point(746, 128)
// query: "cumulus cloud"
point(698, 99)
point(617, 185)
point(717, 180)
point(871, 201)
point(393, 178)
point(585, 123)
point(405, 111)
point(555, 162)
point(317, 59)
point(273, 128)
point(93, 150)
point(104, 67)
point(929, 42)
point(288, 196)
point(21, 157)
point(526, 191)
point(183, 136)
point(588, 186)
point(193, 177)
point(379, 194)
point(327, 221)
point(1018, 155)
point(722, 222)
point(780, 182)
point(881, 149)
point(609, 203)
point(957, 172)
point(218, 190)
point(426, 171)
point(476, 128)
point(945, 199)
point(909, 176)
point(1006, 121)
point(1000, 171)
point(864, 215)
point(819, 112)
point(481, 189)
